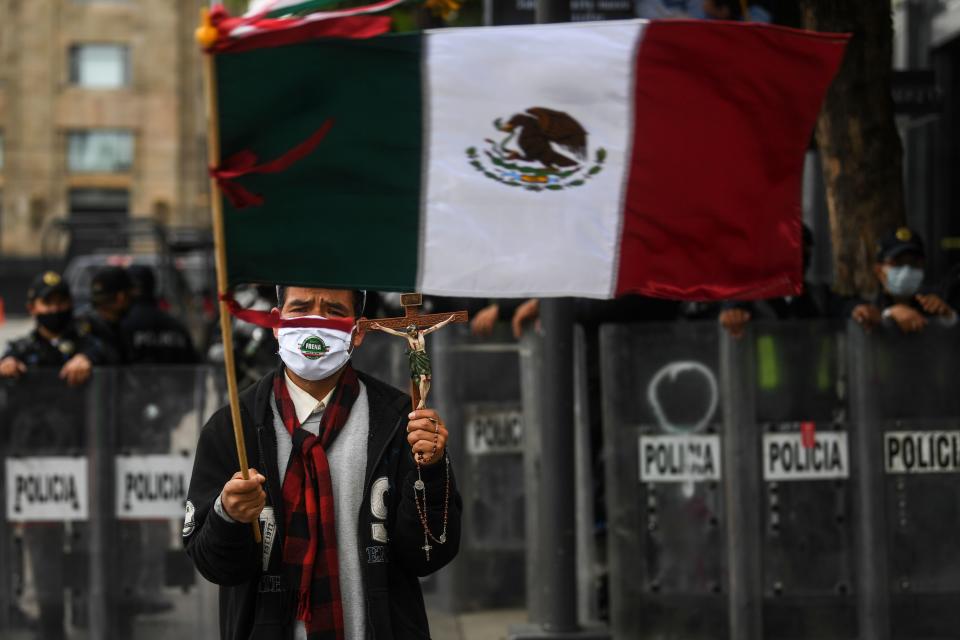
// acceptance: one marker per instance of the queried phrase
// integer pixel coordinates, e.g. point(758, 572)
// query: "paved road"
point(194, 615)
point(481, 625)
point(14, 328)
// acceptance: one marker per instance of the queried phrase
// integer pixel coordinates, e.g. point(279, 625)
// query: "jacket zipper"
point(263, 465)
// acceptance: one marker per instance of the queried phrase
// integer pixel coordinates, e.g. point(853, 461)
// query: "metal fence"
point(95, 481)
point(798, 483)
point(801, 482)
point(478, 391)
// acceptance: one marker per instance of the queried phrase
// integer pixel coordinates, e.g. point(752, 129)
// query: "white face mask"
point(314, 353)
point(903, 281)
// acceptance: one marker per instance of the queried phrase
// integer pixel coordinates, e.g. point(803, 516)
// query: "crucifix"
point(414, 328)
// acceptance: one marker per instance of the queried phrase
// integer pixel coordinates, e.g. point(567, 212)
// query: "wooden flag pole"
point(206, 35)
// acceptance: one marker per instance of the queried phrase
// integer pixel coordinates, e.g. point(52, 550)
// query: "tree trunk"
point(858, 139)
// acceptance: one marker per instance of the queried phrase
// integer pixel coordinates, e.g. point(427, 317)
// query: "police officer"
point(41, 419)
point(152, 335)
point(55, 342)
point(111, 294)
point(900, 271)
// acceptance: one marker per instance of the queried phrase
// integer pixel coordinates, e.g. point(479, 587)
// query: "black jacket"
point(153, 336)
point(36, 351)
point(255, 602)
point(113, 345)
point(801, 307)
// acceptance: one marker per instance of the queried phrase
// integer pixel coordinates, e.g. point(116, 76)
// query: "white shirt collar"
point(304, 403)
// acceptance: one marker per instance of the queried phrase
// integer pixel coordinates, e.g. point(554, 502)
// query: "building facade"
point(928, 39)
point(101, 113)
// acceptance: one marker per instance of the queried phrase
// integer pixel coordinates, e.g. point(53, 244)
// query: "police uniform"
point(44, 417)
point(34, 350)
point(107, 334)
point(894, 244)
point(153, 336)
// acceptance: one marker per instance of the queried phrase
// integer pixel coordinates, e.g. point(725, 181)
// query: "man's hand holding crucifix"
point(426, 431)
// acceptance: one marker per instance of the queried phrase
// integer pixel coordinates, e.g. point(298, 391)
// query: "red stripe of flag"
point(715, 178)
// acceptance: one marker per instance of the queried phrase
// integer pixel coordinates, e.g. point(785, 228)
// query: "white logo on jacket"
point(269, 522)
point(189, 522)
point(378, 509)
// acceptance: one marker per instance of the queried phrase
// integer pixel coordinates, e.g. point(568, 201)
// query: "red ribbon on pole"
point(235, 34)
point(244, 163)
point(272, 320)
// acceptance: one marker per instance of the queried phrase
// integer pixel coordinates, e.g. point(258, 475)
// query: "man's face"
point(906, 259)
point(51, 304)
point(117, 305)
point(329, 303)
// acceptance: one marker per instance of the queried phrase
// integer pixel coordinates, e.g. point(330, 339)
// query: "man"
point(900, 270)
point(54, 342)
point(111, 294)
point(152, 335)
point(350, 517)
point(45, 419)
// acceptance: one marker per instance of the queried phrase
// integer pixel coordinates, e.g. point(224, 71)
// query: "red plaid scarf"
point(310, 541)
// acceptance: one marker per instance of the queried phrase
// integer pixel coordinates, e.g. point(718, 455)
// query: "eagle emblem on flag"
point(540, 149)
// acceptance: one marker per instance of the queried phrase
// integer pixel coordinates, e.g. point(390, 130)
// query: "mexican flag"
point(583, 159)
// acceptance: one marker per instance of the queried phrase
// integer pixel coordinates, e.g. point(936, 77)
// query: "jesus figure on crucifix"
point(420, 371)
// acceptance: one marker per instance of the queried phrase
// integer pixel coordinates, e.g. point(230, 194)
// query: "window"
point(102, 151)
point(109, 202)
point(100, 66)
point(103, 209)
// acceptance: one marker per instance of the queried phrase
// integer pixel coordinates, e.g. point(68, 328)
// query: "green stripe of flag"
point(359, 190)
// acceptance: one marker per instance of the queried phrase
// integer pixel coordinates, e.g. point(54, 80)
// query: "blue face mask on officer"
point(902, 281)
